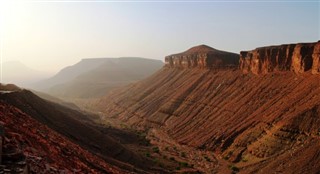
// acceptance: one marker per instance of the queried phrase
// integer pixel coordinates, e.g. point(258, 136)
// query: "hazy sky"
point(49, 35)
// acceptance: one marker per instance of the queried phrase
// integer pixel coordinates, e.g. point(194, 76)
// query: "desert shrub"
point(148, 154)
point(156, 160)
point(183, 164)
point(155, 149)
point(244, 159)
point(183, 154)
point(234, 168)
point(207, 158)
point(172, 158)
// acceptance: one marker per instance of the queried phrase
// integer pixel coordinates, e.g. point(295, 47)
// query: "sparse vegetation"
point(142, 138)
point(207, 158)
point(230, 153)
point(155, 149)
point(172, 158)
point(148, 154)
point(183, 164)
point(156, 160)
point(161, 165)
point(228, 156)
point(244, 159)
point(183, 154)
point(123, 126)
point(234, 168)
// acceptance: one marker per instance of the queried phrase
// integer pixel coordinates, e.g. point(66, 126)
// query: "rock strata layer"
point(261, 123)
point(202, 56)
point(298, 58)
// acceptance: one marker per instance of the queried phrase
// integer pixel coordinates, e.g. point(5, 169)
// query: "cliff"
point(202, 56)
point(298, 58)
point(262, 124)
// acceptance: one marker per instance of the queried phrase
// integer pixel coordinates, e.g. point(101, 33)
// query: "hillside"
point(31, 147)
point(91, 78)
point(263, 116)
point(74, 126)
point(69, 73)
point(56, 100)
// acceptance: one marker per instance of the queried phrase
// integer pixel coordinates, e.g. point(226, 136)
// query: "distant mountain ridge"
point(70, 72)
point(18, 73)
point(95, 77)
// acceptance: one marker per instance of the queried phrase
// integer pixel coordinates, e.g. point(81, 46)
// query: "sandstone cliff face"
point(269, 118)
point(264, 120)
point(316, 59)
point(202, 56)
point(298, 58)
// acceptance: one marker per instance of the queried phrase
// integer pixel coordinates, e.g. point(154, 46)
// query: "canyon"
point(203, 111)
point(259, 110)
point(51, 138)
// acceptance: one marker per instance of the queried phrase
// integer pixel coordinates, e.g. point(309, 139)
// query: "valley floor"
point(171, 155)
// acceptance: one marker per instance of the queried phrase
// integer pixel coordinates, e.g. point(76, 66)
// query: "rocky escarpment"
point(202, 56)
point(298, 58)
point(263, 124)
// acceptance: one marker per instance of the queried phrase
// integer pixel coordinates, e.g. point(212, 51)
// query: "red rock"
point(316, 59)
point(202, 56)
point(298, 58)
point(43, 153)
point(271, 118)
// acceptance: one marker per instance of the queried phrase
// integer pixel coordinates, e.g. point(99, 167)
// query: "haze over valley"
point(160, 87)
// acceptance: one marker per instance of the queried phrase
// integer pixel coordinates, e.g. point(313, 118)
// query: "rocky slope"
point(31, 147)
point(260, 122)
point(76, 126)
point(298, 58)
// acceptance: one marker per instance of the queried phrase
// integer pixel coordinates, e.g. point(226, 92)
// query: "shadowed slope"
point(76, 126)
point(42, 149)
